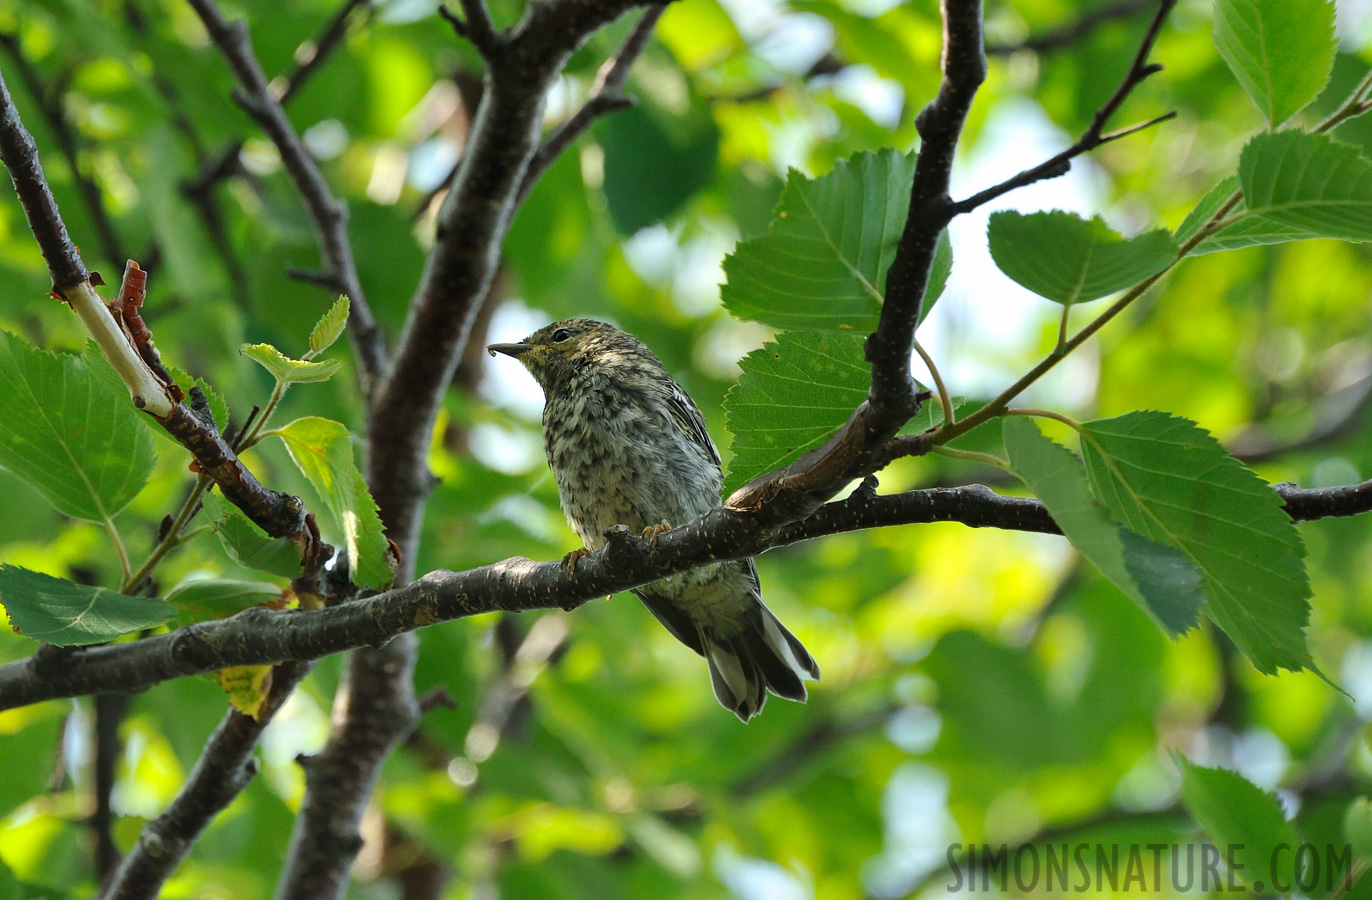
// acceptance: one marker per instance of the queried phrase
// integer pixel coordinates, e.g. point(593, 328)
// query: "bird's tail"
point(762, 656)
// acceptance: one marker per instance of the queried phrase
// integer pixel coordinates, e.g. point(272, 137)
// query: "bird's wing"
point(690, 421)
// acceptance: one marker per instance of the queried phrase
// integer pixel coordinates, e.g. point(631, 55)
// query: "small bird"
point(628, 447)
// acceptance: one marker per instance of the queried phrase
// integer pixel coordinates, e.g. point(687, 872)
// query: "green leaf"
point(1250, 231)
point(67, 434)
point(656, 158)
point(61, 612)
point(247, 544)
point(1243, 820)
point(1171, 482)
point(323, 451)
point(792, 395)
point(330, 325)
point(823, 264)
point(217, 598)
point(1069, 259)
point(1281, 51)
point(287, 370)
point(1159, 579)
point(1308, 182)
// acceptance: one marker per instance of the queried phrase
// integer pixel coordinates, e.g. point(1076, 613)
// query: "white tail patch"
point(729, 670)
point(780, 642)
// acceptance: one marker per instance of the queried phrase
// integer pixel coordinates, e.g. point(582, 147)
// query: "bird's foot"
point(569, 561)
point(652, 531)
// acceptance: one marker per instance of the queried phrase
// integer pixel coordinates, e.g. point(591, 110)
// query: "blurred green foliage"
point(979, 686)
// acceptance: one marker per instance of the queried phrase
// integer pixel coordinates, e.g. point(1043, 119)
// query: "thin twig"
point(607, 95)
point(477, 27)
point(860, 446)
point(1093, 137)
point(312, 54)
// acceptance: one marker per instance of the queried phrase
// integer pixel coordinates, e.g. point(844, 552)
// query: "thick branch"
point(328, 215)
point(261, 636)
point(224, 768)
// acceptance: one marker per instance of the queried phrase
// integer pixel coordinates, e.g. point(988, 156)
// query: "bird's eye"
point(561, 335)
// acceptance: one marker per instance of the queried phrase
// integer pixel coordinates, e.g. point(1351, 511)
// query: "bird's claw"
point(569, 561)
point(652, 531)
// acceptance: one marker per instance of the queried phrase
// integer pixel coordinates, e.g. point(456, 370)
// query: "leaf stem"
point(1062, 328)
point(118, 546)
point(169, 540)
point(989, 459)
point(277, 393)
point(949, 414)
point(1044, 414)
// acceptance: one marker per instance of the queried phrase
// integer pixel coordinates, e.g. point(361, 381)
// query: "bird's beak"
point(515, 350)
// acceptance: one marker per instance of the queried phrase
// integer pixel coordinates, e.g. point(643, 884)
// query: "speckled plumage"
point(627, 446)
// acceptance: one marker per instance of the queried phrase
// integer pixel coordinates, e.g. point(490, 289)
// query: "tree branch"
point(261, 636)
point(328, 215)
point(109, 715)
point(312, 54)
point(224, 769)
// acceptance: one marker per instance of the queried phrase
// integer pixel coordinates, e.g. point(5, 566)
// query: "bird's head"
point(554, 353)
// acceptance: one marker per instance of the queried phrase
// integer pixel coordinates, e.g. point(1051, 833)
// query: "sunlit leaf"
point(330, 325)
point(1243, 819)
point(1281, 51)
point(288, 370)
point(823, 265)
point(1171, 482)
point(1309, 182)
point(248, 687)
point(1069, 259)
point(67, 434)
point(61, 612)
point(1157, 578)
point(792, 395)
point(323, 451)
